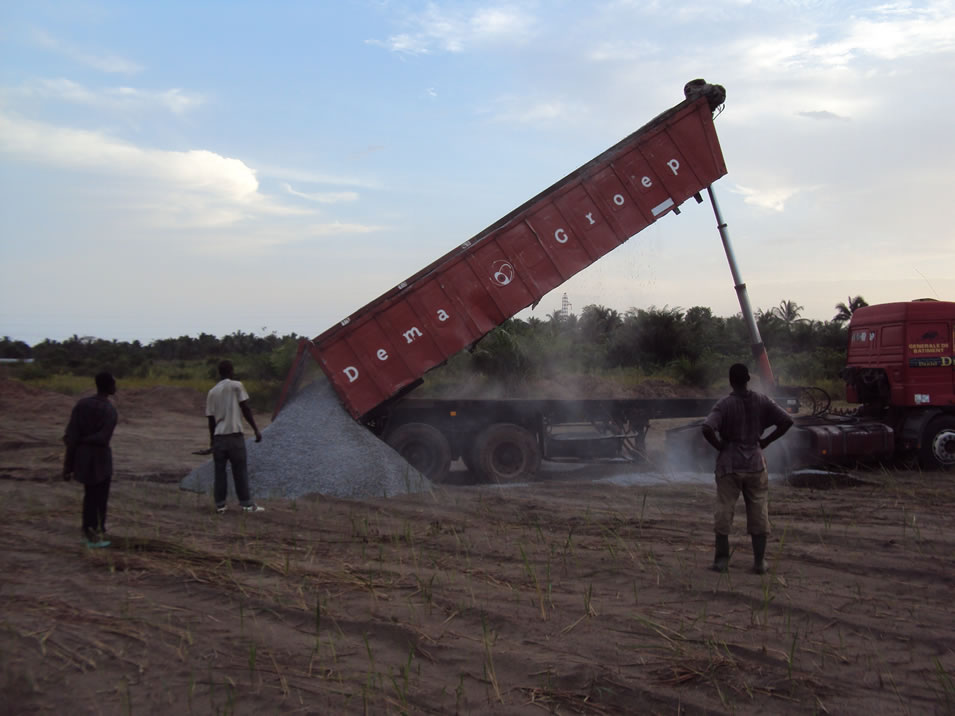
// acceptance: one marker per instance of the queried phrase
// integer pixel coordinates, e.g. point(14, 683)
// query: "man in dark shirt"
point(89, 458)
point(735, 428)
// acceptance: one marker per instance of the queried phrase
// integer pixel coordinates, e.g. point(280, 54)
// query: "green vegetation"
point(261, 362)
point(685, 347)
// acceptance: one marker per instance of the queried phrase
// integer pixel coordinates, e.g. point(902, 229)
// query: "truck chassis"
point(505, 440)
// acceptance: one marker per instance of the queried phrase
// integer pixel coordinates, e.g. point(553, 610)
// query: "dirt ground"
point(568, 595)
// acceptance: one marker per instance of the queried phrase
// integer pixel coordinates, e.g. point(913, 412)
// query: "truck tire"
point(424, 447)
point(505, 452)
point(938, 444)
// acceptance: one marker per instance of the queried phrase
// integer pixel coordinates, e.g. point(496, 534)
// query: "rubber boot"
point(759, 554)
point(721, 562)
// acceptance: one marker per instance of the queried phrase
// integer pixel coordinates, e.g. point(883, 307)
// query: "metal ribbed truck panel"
point(394, 340)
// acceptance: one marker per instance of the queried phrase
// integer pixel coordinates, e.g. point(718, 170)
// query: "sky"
point(174, 168)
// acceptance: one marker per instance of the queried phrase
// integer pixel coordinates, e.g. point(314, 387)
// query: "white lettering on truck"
point(443, 315)
point(382, 354)
point(561, 236)
point(351, 373)
point(411, 334)
point(674, 165)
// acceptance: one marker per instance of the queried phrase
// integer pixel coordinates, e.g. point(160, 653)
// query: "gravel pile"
point(314, 447)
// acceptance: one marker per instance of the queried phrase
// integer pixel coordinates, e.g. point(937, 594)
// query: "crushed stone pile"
point(314, 447)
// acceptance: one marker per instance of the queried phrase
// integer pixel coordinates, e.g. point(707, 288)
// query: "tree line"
point(691, 346)
point(266, 355)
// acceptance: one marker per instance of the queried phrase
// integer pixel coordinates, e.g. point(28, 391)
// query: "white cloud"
point(105, 62)
point(520, 110)
point(500, 23)
point(444, 30)
point(774, 198)
point(763, 53)
point(175, 100)
point(112, 99)
point(337, 228)
point(891, 32)
point(313, 177)
point(403, 43)
point(208, 189)
point(328, 197)
point(922, 31)
point(821, 115)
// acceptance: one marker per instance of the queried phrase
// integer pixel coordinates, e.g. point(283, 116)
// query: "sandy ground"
point(584, 592)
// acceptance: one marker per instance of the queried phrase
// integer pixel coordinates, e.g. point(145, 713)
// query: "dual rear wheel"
point(505, 452)
point(424, 447)
point(501, 452)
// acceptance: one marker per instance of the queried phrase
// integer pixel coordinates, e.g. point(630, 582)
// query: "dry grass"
point(571, 598)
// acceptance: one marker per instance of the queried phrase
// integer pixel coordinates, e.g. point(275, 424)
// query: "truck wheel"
point(424, 447)
point(938, 444)
point(506, 453)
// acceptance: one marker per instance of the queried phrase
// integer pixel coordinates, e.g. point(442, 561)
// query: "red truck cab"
point(900, 354)
point(900, 368)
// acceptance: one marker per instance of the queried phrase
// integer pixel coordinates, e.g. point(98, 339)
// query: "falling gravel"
point(314, 447)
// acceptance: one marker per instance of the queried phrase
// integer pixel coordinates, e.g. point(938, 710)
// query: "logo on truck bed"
point(502, 272)
point(932, 362)
point(928, 347)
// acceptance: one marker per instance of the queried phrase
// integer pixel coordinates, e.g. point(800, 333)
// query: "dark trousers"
point(230, 449)
point(755, 489)
point(95, 498)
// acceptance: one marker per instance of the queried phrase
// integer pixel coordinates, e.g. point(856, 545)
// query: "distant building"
point(565, 307)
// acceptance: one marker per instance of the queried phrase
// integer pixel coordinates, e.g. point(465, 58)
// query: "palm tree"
point(788, 312)
point(845, 310)
point(599, 322)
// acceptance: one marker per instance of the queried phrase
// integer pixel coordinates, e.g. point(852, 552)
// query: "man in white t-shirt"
point(226, 404)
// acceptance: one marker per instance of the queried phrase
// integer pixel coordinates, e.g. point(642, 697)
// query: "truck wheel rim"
point(943, 447)
point(508, 459)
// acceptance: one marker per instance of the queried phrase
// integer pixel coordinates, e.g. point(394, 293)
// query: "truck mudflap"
point(452, 303)
point(840, 442)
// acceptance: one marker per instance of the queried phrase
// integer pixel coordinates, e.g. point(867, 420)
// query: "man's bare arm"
point(247, 414)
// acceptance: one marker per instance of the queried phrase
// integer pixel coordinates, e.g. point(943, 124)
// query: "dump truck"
point(899, 370)
point(375, 357)
point(900, 377)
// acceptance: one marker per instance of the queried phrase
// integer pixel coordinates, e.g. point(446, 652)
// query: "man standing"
point(89, 457)
point(740, 419)
point(226, 405)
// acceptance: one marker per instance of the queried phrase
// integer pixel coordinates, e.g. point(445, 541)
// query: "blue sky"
point(170, 168)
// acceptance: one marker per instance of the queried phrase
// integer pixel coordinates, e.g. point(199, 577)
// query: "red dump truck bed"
point(394, 340)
